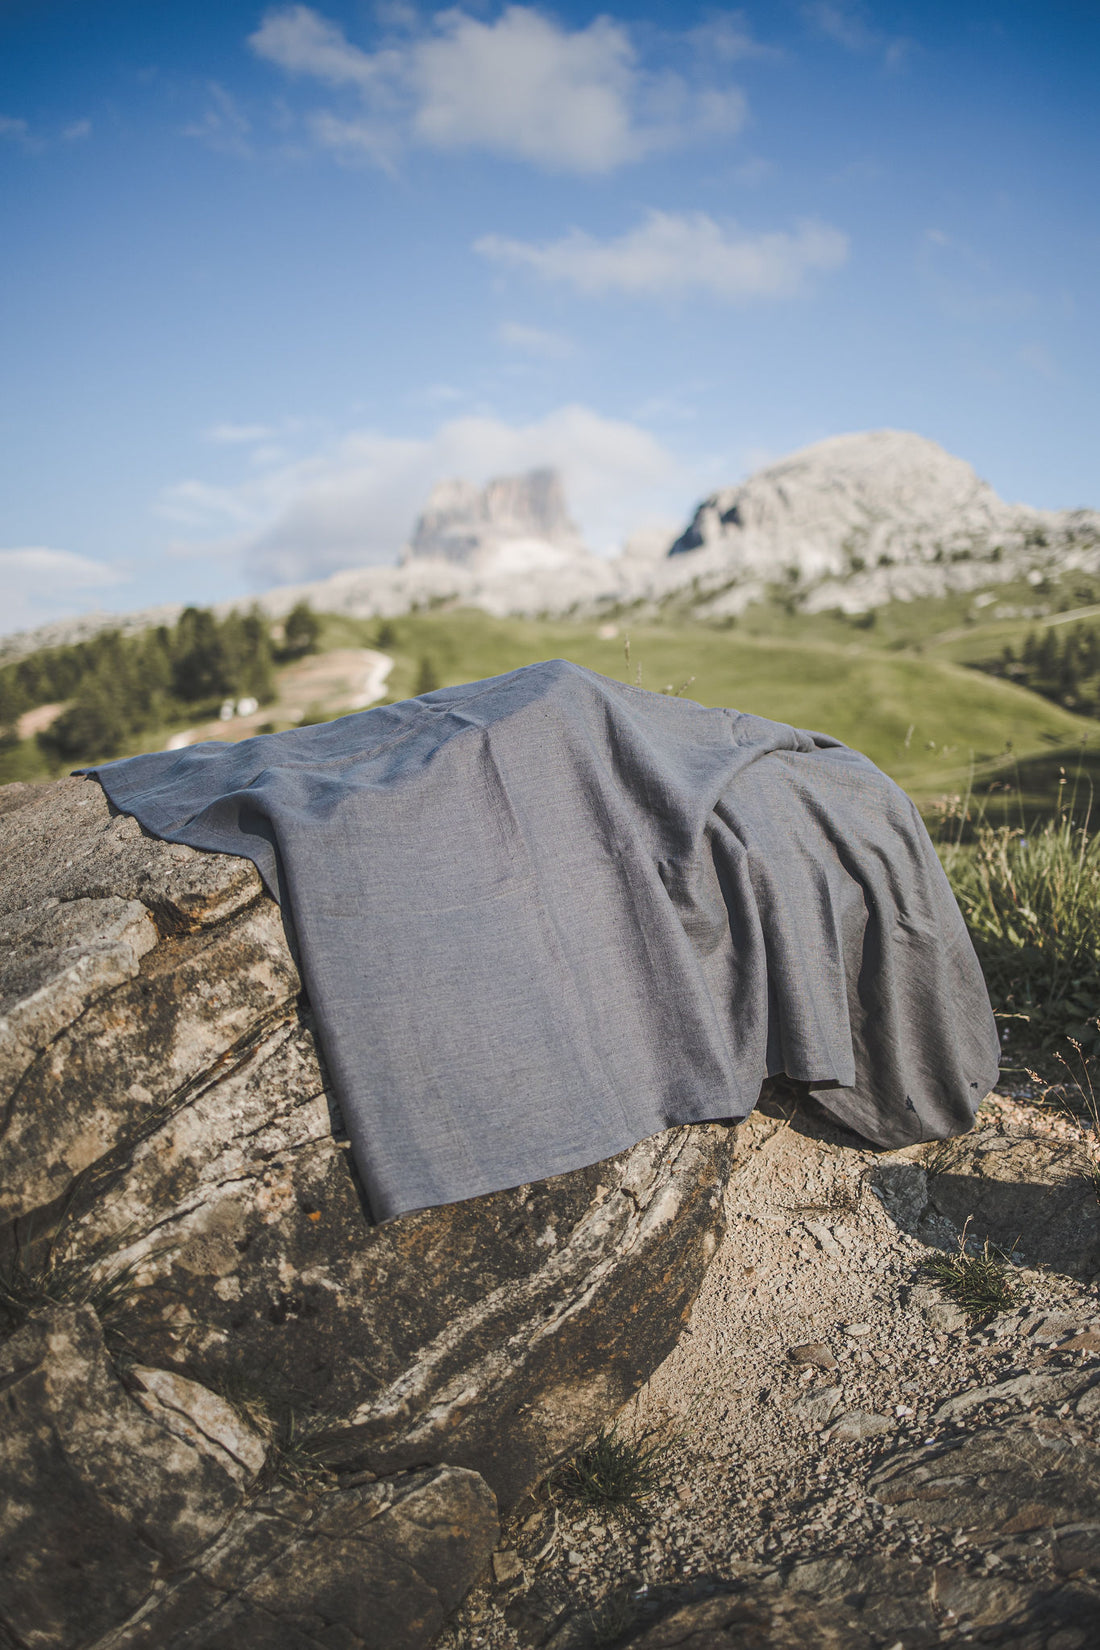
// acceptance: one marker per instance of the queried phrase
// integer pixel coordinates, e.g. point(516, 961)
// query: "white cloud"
point(537, 341)
point(39, 584)
point(847, 25)
point(223, 126)
point(670, 253)
point(235, 434)
point(17, 131)
point(303, 42)
point(355, 504)
point(522, 86)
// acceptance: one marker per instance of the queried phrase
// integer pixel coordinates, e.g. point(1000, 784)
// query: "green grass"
point(926, 722)
point(615, 1473)
point(1031, 900)
point(979, 1282)
point(935, 726)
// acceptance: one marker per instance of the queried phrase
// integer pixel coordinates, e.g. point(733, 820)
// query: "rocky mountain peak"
point(850, 502)
point(474, 527)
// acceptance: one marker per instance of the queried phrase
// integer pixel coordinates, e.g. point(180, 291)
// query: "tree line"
point(115, 687)
point(1060, 663)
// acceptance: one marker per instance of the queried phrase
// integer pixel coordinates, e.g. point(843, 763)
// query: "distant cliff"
point(853, 522)
point(514, 519)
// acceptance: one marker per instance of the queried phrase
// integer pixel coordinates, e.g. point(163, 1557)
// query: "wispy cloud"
point(235, 434)
point(537, 341)
point(728, 36)
point(522, 86)
point(674, 253)
point(849, 26)
point(40, 584)
point(15, 130)
point(223, 125)
point(354, 504)
point(1040, 360)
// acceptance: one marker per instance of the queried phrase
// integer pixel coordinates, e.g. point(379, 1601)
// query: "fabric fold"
point(542, 916)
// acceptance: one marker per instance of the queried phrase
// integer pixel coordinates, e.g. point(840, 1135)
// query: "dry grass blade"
point(1080, 1102)
point(297, 1454)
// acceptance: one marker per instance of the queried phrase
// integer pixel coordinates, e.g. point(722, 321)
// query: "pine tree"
point(301, 629)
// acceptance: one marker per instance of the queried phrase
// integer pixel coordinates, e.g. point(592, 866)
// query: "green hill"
point(927, 722)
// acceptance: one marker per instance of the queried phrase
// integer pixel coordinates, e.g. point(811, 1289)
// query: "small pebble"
point(813, 1352)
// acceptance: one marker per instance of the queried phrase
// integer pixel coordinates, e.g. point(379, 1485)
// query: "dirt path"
point(347, 679)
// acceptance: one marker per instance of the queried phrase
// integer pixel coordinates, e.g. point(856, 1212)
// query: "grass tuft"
point(56, 1275)
point(297, 1453)
point(616, 1473)
point(979, 1283)
point(614, 1616)
point(1031, 900)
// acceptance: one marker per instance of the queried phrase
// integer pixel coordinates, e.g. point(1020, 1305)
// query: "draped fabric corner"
point(543, 916)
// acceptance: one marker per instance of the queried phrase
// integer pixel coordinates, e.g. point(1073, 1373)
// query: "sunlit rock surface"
point(195, 1284)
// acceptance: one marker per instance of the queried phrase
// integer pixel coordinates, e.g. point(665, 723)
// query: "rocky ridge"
point(852, 522)
point(515, 523)
point(860, 520)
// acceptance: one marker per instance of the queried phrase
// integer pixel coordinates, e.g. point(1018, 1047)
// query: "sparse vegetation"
point(978, 1282)
point(616, 1613)
point(427, 676)
point(1031, 899)
point(301, 630)
point(616, 1473)
point(297, 1453)
point(1061, 664)
point(1078, 1098)
point(54, 1273)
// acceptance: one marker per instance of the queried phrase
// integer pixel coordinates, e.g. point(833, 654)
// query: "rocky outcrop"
point(1038, 1206)
point(860, 520)
point(517, 519)
point(233, 1397)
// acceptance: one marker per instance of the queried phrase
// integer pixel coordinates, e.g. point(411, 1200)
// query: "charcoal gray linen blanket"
point(543, 916)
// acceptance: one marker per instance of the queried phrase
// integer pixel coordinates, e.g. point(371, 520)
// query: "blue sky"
point(268, 273)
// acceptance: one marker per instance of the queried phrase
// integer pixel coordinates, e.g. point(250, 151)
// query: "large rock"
point(174, 1160)
point(1001, 1481)
point(1031, 1198)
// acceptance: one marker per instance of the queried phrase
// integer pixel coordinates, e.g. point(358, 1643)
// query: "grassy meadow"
point(933, 725)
